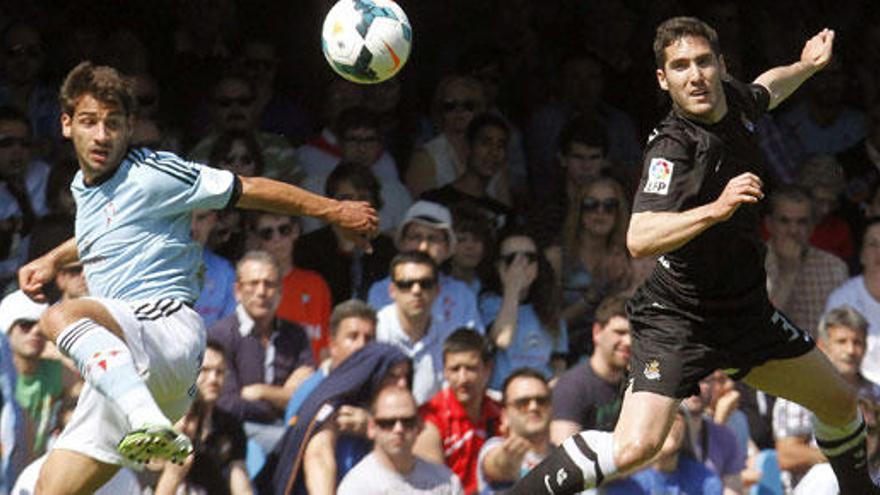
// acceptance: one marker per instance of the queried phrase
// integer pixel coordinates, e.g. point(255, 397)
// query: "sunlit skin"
point(280, 246)
point(258, 289)
point(535, 420)
point(25, 340)
point(845, 348)
point(415, 303)
point(433, 242)
point(394, 445)
point(467, 376)
point(212, 376)
point(612, 343)
point(790, 227)
point(692, 74)
point(514, 245)
point(100, 133)
point(352, 334)
point(599, 223)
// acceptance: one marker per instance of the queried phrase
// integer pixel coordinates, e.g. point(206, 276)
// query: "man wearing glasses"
point(392, 467)
point(526, 413)
point(408, 323)
point(427, 227)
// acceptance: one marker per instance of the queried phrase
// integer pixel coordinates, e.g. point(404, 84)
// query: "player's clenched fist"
point(744, 188)
point(34, 276)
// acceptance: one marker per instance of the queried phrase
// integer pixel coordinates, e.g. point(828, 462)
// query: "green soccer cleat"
point(155, 441)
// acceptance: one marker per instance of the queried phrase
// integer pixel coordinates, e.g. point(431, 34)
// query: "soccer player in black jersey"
point(705, 305)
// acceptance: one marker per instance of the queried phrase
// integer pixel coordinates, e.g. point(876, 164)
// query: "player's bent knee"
point(631, 454)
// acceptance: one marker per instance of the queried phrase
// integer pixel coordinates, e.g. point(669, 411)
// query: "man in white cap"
point(427, 227)
point(40, 385)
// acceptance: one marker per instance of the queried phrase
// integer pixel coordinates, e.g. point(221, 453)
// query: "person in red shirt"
point(305, 296)
point(460, 418)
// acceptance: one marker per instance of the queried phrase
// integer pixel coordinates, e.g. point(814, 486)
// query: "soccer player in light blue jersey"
point(137, 341)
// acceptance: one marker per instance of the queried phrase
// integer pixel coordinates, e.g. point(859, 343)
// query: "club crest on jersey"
point(652, 370)
point(659, 176)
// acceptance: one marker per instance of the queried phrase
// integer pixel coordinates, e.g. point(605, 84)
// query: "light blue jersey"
point(133, 230)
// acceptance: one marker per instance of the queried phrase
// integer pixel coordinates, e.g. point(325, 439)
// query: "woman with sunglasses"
point(522, 301)
point(442, 159)
point(592, 261)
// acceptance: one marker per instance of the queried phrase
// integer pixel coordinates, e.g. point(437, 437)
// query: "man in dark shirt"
point(705, 305)
point(587, 396)
point(267, 357)
point(487, 136)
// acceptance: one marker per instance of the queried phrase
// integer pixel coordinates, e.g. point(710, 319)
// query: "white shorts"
point(167, 343)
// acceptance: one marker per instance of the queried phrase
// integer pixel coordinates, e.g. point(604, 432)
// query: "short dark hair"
point(675, 28)
point(586, 131)
point(353, 308)
point(613, 305)
point(215, 345)
point(104, 83)
point(359, 176)
point(485, 120)
point(356, 117)
point(792, 193)
point(524, 372)
point(465, 339)
point(416, 257)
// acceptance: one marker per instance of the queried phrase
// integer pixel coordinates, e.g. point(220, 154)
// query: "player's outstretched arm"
point(782, 81)
point(34, 276)
point(357, 218)
point(655, 233)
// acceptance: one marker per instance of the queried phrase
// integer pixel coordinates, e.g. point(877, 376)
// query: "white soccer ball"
point(366, 41)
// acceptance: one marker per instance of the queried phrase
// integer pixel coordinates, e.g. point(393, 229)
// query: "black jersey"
point(688, 164)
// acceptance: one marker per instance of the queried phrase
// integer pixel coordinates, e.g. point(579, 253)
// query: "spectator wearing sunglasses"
point(428, 228)
point(522, 302)
point(305, 295)
point(392, 467)
point(233, 108)
point(487, 138)
point(592, 260)
point(408, 323)
point(525, 414)
point(24, 85)
point(23, 182)
point(457, 100)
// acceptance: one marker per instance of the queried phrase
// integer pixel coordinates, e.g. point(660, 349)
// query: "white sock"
point(599, 453)
point(105, 361)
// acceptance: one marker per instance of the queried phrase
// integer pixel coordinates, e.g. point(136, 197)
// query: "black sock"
point(849, 459)
point(556, 475)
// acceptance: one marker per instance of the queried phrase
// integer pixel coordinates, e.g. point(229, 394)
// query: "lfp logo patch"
point(659, 176)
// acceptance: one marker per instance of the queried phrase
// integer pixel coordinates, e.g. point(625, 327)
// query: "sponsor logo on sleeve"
point(659, 176)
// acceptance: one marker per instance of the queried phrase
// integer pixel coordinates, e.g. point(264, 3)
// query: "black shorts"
point(674, 347)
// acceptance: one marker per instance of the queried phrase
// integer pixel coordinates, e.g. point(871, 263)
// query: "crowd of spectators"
point(488, 323)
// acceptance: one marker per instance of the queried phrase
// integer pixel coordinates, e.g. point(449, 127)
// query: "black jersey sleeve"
point(754, 97)
point(669, 179)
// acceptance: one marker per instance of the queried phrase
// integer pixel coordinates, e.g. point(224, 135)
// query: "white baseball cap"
point(430, 214)
point(19, 307)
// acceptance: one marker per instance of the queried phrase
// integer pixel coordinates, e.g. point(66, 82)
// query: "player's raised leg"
point(590, 458)
point(812, 381)
point(85, 330)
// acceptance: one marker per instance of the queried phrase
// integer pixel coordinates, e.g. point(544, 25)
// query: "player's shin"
point(582, 461)
point(105, 361)
point(846, 450)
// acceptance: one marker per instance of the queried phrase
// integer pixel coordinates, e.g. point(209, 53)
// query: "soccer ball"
point(366, 41)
